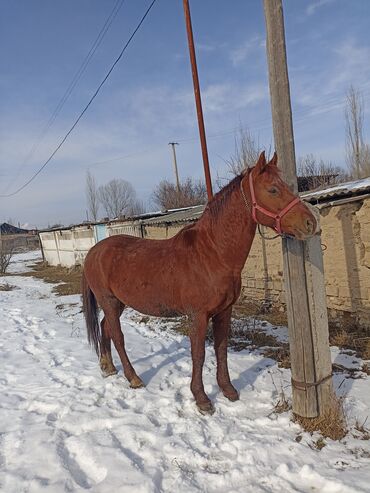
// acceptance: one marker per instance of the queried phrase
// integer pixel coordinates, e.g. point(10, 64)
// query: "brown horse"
point(196, 273)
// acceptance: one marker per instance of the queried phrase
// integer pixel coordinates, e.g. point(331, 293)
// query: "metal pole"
point(173, 144)
point(198, 100)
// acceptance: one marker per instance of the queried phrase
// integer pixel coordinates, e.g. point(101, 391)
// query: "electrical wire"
point(85, 108)
point(76, 78)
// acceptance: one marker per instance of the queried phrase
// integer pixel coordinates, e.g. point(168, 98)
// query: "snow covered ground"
point(63, 428)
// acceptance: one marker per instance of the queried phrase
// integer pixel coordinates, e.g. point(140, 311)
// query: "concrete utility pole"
point(198, 100)
point(173, 144)
point(303, 263)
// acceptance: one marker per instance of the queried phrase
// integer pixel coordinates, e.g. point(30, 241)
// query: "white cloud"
point(315, 5)
point(205, 47)
point(230, 97)
point(351, 63)
point(242, 52)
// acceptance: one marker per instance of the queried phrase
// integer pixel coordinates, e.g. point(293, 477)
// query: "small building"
point(9, 229)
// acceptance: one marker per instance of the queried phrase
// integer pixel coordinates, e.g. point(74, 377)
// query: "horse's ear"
point(274, 159)
point(261, 163)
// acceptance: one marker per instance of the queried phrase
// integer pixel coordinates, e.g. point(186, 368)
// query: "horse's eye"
point(273, 190)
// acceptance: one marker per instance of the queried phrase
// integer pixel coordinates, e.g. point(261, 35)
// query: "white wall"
point(69, 247)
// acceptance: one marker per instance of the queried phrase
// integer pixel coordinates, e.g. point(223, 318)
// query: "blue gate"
point(100, 232)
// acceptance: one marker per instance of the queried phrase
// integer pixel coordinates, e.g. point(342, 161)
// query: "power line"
point(76, 78)
point(120, 158)
point(86, 107)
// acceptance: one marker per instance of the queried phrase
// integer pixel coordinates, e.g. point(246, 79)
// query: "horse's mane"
point(222, 197)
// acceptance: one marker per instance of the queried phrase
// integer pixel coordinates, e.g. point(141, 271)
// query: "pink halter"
point(256, 207)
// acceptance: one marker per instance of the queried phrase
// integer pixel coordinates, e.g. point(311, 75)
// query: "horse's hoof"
point(136, 383)
point(232, 395)
point(206, 408)
point(108, 373)
point(107, 367)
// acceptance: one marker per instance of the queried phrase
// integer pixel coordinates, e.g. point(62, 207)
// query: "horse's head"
point(273, 204)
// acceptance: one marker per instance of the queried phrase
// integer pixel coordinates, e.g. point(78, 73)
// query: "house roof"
point(178, 215)
point(342, 190)
point(9, 229)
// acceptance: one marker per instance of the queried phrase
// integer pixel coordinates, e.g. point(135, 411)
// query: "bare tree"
point(136, 208)
point(191, 192)
point(92, 196)
point(117, 196)
point(313, 174)
point(357, 152)
point(7, 251)
point(246, 153)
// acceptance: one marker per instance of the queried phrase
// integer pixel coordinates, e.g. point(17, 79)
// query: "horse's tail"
point(91, 314)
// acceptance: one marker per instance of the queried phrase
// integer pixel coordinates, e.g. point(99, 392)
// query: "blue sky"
point(148, 100)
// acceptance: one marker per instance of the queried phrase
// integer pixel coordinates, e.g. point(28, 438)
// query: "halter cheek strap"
point(256, 207)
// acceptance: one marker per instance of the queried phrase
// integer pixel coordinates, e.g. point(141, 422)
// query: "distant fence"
point(346, 248)
point(21, 242)
point(69, 246)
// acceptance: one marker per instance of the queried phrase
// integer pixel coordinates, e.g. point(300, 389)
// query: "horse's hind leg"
point(112, 309)
point(106, 363)
point(221, 328)
point(197, 340)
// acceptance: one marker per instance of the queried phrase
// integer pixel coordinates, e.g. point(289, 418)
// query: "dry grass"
point(68, 281)
point(183, 326)
point(350, 336)
point(7, 287)
point(332, 424)
point(319, 443)
point(283, 404)
point(259, 312)
point(244, 336)
point(363, 347)
point(280, 354)
point(343, 334)
point(340, 338)
point(364, 432)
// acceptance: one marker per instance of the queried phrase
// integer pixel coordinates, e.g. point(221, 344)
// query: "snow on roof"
point(341, 190)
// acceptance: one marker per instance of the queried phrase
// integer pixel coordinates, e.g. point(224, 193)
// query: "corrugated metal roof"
point(190, 214)
point(347, 189)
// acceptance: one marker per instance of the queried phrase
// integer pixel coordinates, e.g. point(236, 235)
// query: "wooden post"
point(303, 263)
point(173, 144)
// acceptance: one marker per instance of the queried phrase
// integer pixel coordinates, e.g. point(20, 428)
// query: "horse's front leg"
point(221, 328)
point(197, 340)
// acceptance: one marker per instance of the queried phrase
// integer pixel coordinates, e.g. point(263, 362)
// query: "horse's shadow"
point(175, 353)
point(248, 376)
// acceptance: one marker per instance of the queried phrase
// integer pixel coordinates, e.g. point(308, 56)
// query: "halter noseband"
point(254, 207)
